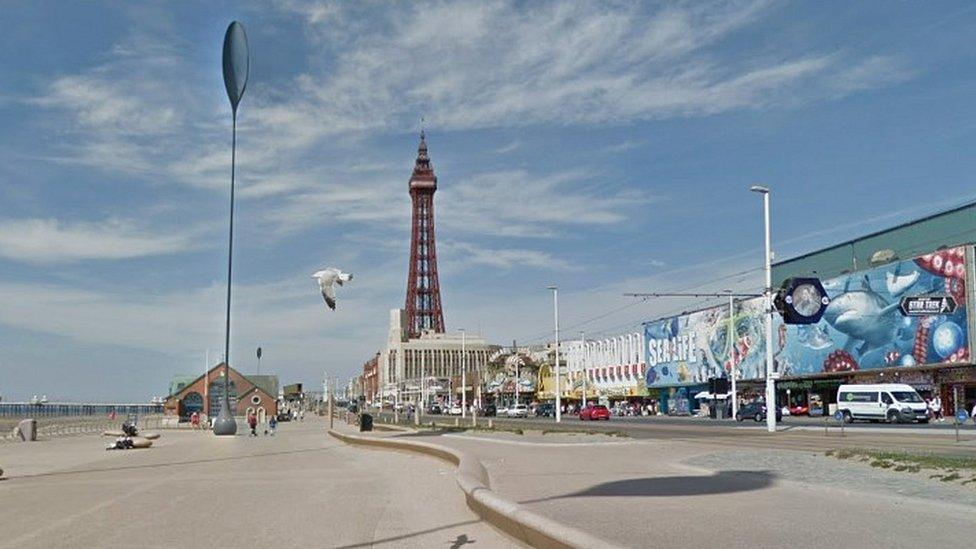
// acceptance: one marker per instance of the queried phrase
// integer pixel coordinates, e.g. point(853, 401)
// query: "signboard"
point(962, 416)
point(927, 305)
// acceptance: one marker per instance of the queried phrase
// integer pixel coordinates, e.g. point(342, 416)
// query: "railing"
point(63, 426)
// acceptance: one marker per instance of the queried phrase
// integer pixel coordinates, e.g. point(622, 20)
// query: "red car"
point(592, 412)
point(799, 410)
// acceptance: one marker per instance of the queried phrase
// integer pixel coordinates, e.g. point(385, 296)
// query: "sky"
point(605, 147)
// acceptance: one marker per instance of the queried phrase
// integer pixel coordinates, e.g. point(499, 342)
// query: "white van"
point(891, 402)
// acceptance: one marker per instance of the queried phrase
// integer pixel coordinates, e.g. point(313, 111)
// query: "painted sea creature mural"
point(863, 328)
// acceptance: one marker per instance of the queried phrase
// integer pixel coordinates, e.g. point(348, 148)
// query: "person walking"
point(252, 420)
point(937, 408)
point(273, 424)
point(195, 420)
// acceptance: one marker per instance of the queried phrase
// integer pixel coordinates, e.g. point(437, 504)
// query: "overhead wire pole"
point(555, 316)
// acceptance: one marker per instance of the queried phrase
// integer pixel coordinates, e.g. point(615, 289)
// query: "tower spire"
point(423, 288)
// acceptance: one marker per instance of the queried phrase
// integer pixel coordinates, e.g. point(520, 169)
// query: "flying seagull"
point(327, 278)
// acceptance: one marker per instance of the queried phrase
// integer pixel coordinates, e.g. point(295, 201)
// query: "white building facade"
point(610, 367)
point(422, 368)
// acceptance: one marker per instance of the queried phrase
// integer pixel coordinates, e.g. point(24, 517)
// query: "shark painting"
point(864, 315)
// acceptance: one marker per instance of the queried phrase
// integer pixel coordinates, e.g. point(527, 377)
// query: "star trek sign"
point(927, 305)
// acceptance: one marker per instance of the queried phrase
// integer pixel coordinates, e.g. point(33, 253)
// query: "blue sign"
point(838, 415)
point(962, 416)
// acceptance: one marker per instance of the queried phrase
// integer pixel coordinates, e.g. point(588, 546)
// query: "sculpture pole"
point(235, 65)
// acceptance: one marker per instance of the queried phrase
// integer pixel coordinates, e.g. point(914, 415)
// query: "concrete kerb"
point(515, 520)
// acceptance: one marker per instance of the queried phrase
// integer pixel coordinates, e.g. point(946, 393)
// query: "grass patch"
point(944, 468)
point(620, 434)
point(922, 461)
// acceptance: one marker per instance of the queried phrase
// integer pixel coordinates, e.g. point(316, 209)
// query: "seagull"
point(327, 278)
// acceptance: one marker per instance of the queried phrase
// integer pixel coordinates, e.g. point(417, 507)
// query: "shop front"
point(957, 389)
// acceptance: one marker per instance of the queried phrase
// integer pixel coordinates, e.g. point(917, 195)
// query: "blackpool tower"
point(423, 290)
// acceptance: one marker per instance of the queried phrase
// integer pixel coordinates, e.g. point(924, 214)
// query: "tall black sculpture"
point(235, 80)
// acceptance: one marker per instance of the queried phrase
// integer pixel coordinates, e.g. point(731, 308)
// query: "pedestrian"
point(252, 420)
point(273, 424)
point(937, 408)
point(195, 420)
point(973, 413)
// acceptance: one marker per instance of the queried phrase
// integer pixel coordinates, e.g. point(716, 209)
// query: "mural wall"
point(863, 328)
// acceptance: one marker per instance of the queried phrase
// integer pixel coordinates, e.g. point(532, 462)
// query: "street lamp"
point(583, 364)
point(733, 359)
point(464, 377)
point(236, 67)
point(768, 303)
point(555, 315)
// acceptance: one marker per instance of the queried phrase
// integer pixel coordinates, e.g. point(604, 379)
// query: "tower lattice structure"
point(423, 289)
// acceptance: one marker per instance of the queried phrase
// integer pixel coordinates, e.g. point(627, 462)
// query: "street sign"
point(839, 416)
point(962, 416)
point(925, 305)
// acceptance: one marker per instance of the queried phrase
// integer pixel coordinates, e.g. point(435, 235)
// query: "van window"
point(859, 396)
point(906, 396)
point(886, 398)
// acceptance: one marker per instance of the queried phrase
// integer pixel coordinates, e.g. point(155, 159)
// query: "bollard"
point(491, 423)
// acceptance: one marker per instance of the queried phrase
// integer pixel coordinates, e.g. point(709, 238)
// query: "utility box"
point(365, 422)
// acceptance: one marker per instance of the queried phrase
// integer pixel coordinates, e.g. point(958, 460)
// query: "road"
point(299, 488)
point(812, 437)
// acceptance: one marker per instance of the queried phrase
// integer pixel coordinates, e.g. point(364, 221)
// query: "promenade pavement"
point(669, 493)
point(299, 488)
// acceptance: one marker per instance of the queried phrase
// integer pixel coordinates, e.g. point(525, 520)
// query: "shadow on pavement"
point(460, 540)
point(723, 482)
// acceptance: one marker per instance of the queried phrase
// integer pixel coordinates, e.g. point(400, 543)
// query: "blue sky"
point(603, 146)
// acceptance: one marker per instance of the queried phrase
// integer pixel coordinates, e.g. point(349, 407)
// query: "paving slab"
point(299, 488)
point(666, 493)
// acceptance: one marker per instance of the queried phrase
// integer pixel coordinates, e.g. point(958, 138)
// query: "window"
point(859, 396)
point(886, 398)
point(906, 396)
point(255, 399)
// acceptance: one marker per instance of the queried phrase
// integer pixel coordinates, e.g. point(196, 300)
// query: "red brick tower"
point(423, 290)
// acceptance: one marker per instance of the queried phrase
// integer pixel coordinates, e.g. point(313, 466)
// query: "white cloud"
point(518, 203)
point(466, 254)
point(51, 241)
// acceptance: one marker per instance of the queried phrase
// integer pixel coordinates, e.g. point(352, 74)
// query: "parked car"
point(517, 410)
point(490, 410)
point(799, 410)
point(756, 411)
point(455, 410)
point(546, 409)
point(502, 411)
point(891, 402)
point(435, 409)
point(594, 412)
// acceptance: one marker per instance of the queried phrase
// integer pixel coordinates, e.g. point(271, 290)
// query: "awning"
point(712, 396)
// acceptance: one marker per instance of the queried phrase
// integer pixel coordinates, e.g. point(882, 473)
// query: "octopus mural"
point(863, 328)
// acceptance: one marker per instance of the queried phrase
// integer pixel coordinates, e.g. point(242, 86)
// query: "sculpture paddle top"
point(236, 63)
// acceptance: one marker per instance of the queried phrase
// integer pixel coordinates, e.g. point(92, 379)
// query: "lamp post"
point(768, 303)
point(235, 65)
point(583, 364)
point(464, 378)
point(733, 359)
point(555, 316)
point(259, 360)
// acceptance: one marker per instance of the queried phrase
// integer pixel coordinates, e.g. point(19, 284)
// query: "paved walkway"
point(666, 493)
point(300, 488)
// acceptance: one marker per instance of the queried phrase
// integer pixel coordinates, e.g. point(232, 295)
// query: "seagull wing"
point(328, 293)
